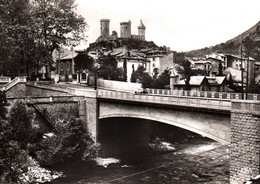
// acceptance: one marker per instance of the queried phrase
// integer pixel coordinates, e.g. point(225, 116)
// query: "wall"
point(166, 62)
point(118, 85)
point(245, 141)
point(59, 111)
point(16, 91)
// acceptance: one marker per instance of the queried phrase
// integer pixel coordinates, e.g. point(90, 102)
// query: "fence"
point(205, 94)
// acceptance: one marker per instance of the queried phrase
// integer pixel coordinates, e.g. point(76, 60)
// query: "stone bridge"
point(234, 122)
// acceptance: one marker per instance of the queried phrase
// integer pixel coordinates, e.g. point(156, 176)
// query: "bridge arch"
point(168, 122)
point(208, 124)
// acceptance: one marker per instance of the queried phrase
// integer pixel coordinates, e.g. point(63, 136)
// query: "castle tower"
point(104, 28)
point(125, 29)
point(141, 30)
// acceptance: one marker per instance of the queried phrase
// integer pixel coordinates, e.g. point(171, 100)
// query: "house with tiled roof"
point(217, 83)
point(130, 59)
point(201, 83)
point(196, 83)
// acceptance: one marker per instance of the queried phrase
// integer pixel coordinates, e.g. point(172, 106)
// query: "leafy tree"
point(220, 69)
point(31, 29)
point(163, 80)
point(187, 73)
point(3, 103)
point(147, 80)
point(108, 68)
point(71, 142)
point(137, 76)
point(21, 125)
point(13, 156)
point(83, 62)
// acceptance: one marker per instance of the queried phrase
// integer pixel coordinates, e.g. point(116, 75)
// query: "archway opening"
point(134, 136)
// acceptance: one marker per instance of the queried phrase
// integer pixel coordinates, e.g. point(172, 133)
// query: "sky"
point(182, 25)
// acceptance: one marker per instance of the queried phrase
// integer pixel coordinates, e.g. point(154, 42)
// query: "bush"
point(71, 142)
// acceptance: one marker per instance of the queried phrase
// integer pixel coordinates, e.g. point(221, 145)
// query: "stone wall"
point(59, 111)
point(22, 90)
point(37, 91)
point(245, 141)
point(16, 91)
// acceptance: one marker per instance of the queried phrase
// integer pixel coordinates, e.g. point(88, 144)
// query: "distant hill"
point(231, 46)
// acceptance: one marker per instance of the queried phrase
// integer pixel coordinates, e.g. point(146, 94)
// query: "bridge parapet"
point(205, 94)
point(200, 102)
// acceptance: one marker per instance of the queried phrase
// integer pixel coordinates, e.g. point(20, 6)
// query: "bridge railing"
point(205, 94)
point(202, 102)
point(13, 82)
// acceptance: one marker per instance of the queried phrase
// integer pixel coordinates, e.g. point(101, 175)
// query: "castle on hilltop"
point(125, 31)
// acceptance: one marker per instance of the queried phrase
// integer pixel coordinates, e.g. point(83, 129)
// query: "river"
point(197, 160)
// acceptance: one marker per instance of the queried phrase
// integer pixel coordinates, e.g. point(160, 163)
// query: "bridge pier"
point(88, 112)
point(245, 141)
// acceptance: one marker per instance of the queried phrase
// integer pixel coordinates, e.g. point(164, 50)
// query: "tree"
point(3, 104)
point(220, 69)
point(21, 124)
point(13, 156)
point(187, 73)
point(137, 76)
point(72, 142)
point(31, 29)
point(108, 68)
point(163, 80)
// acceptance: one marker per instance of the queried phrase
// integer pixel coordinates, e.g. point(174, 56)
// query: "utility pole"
point(241, 67)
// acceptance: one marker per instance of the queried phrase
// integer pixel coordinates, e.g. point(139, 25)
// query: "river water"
point(197, 160)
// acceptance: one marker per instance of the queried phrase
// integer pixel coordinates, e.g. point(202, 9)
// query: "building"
point(202, 65)
point(73, 67)
point(196, 83)
point(216, 65)
point(200, 83)
point(218, 83)
point(130, 60)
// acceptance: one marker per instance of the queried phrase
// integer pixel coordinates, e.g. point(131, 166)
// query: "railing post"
point(228, 95)
point(220, 104)
point(209, 102)
point(198, 102)
point(237, 97)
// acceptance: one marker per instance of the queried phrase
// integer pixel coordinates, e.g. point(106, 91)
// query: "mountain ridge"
point(231, 46)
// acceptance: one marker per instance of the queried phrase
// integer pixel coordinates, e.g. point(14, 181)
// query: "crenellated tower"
point(125, 29)
point(104, 28)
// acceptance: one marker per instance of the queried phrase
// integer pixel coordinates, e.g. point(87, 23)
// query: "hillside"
point(231, 46)
point(128, 43)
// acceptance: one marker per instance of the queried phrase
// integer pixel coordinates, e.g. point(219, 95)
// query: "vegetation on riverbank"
point(26, 147)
